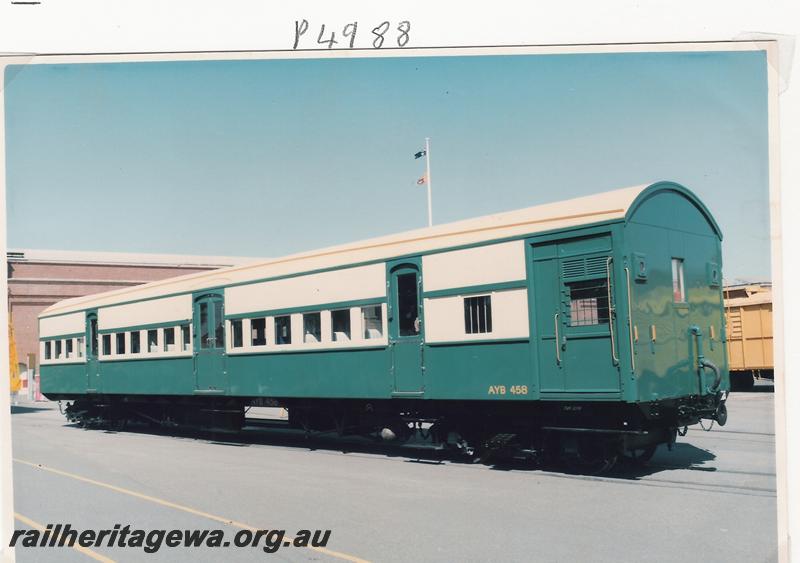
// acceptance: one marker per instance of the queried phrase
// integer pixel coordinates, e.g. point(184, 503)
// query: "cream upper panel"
point(350, 284)
point(495, 263)
point(165, 310)
point(65, 324)
point(562, 214)
point(444, 317)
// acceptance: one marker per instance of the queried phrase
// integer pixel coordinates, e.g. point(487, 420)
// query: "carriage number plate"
point(502, 389)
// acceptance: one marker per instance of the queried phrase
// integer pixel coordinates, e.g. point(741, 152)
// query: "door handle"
point(611, 312)
point(558, 340)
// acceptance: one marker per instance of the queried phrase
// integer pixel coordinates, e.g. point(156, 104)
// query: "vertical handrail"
point(630, 319)
point(558, 341)
point(611, 311)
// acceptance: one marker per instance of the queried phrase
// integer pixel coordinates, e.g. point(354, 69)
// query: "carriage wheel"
point(640, 456)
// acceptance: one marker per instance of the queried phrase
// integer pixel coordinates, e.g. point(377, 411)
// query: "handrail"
point(558, 342)
point(611, 311)
point(630, 319)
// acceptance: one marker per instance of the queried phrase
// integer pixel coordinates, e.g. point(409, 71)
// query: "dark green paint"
point(665, 221)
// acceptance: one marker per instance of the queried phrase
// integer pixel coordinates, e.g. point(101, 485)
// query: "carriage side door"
point(209, 343)
point(578, 352)
point(91, 350)
point(406, 327)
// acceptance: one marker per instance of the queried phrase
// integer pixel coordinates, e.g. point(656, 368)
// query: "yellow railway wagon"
point(13, 366)
point(748, 314)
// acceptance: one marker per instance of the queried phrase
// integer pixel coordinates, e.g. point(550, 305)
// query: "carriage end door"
point(406, 327)
point(209, 344)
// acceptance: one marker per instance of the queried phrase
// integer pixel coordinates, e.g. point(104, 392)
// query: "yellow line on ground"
point(87, 552)
point(181, 507)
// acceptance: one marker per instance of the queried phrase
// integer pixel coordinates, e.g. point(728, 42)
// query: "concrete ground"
point(712, 498)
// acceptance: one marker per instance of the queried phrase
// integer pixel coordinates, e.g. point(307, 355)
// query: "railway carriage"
point(586, 328)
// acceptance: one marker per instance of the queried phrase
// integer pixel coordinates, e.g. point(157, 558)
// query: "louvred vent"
point(584, 267)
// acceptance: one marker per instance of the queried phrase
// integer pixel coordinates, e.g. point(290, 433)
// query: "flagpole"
point(428, 177)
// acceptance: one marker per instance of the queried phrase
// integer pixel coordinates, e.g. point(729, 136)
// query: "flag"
point(421, 180)
point(420, 154)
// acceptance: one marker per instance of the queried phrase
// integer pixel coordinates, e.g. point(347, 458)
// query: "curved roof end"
point(669, 186)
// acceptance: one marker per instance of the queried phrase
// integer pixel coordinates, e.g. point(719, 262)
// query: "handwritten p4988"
point(383, 34)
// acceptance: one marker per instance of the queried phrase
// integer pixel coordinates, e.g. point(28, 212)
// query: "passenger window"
point(58, 349)
point(79, 346)
point(678, 288)
point(219, 325)
point(258, 332)
point(204, 332)
point(372, 321)
point(169, 339)
point(588, 302)
point(120, 342)
point(152, 340)
point(478, 314)
point(283, 330)
point(106, 344)
point(93, 336)
point(186, 337)
point(135, 342)
point(236, 334)
point(68, 347)
point(312, 327)
point(340, 325)
point(407, 303)
point(47, 351)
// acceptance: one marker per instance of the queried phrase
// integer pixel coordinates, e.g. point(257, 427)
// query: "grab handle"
point(630, 320)
point(611, 311)
point(558, 340)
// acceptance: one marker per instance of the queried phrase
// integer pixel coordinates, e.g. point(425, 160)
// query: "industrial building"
point(39, 278)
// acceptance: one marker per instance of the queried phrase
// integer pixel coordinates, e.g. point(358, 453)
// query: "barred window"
point(106, 344)
point(58, 349)
point(69, 347)
point(258, 332)
point(478, 314)
point(120, 342)
point(47, 350)
point(588, 302)
point(237, 340)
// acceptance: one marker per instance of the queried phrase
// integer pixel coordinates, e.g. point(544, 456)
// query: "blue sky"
point(265, 158)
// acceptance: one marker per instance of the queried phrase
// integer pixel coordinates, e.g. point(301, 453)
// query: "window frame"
point(471, 321)
point(237, 333)
point(364, 325)
point(288, 338)
point(678, 275)
point(345, 314)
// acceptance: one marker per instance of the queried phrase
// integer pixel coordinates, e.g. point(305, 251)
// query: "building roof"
point(123, 258)
point(603, 207)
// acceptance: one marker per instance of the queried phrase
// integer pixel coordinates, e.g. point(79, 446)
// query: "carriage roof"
point(608, 206)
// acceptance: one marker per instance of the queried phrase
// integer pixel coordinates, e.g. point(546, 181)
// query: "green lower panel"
point(499, 371)
point(148, 377)
point(67, 378)
point(337, 374)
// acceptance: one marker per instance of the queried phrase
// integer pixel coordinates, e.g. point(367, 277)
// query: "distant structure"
point(39, 278)
point(748, 314)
